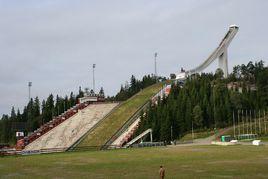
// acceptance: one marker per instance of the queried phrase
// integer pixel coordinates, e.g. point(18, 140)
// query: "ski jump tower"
point(219, 53)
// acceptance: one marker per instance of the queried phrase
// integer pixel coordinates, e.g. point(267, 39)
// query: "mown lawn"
point(116, 119)
point(180, 162)
point(197, 135)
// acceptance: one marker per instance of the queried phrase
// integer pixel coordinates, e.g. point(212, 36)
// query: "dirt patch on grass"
point(198, 150)
point(224, 161)
point(221, 176)
point(185, 166)
point(252, 162)
point(190, 168)
point(199, 171)
point(12, 175)
point(62, 163)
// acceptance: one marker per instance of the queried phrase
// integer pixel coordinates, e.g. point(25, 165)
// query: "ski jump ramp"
point(68, 132)
point(219, 53)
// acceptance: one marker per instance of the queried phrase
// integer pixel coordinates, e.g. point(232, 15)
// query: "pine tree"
point(197, 116)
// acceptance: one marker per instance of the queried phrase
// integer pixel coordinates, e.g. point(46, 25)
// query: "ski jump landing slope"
point(68, 132)
point(117, 118)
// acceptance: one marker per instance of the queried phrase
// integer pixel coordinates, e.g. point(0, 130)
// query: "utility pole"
point(243, 124)
point(250, 124)
point(171, 133)
point(255, 121)
point(264, 120)
point(192, 131)
point(238, 123)
point(94, 65)
point(234, 122)
point(247, 120)
point(155, 72)
point(214, 110)
point(29, 86)
point(260, 121)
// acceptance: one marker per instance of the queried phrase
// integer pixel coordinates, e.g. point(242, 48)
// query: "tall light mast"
point(155, 72)
point(29, 86)
point(93, 67)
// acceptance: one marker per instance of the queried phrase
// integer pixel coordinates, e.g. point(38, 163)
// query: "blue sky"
point(54, 43)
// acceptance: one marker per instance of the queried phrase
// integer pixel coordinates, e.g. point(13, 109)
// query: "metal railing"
point(126, 125)
point(128, 122)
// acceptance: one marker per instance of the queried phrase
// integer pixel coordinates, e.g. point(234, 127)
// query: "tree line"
point(133, 87)
point(205, 102)
point(36, 113)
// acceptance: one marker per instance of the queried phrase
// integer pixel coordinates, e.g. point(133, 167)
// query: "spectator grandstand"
point(70, 130)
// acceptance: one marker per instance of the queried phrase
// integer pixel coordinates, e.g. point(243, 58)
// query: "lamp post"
point(192, 130)
point(234, 123)
point(93, 67)
point(171, 133)
point(155, 72)
point(29, 86)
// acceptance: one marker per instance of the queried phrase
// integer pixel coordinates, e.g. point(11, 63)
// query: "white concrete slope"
point(68, 132)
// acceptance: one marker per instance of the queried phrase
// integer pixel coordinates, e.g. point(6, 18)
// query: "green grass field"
point(197, 135)
point(180, 162)
point(117, 118)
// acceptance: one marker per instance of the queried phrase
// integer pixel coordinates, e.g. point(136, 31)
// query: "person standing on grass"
point(162, 172)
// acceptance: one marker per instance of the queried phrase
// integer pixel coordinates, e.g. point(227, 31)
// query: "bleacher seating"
point(50, 125)
point(64, 130)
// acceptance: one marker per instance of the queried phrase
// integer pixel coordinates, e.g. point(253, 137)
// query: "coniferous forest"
point(34, 115)
point(135, 85)
point(205, 101)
